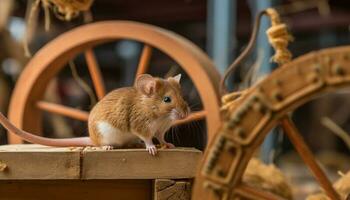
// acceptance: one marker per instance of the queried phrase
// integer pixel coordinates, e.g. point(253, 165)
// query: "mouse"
point(125, 115)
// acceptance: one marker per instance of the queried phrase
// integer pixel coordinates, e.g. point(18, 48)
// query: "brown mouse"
point(126, 115)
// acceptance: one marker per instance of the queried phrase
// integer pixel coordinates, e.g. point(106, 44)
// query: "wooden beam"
point(49, 163)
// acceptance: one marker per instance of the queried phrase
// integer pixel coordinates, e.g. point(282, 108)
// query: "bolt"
point(339, 70)
point(221, 173)
point(260, 108)
point(240, 132)
point(277, 96)
point(232, 150)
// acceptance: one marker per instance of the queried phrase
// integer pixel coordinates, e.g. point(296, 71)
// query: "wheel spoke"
point(144, 60)
point(192, 117)
point(95, 73)
point(63, 110)
point(306, 154)
point(250, 192)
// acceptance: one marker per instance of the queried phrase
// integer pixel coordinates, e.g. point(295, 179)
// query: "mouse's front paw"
point(107, 147)
point(151, 149)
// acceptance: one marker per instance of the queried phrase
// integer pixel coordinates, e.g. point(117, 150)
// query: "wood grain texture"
point(42, 163)
point(166, 189)
point(28, 162)
point(75, 189)
point(139, 164)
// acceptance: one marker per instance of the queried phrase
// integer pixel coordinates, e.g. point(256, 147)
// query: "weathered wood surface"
point(166, 189)
point(139, 164)
point(36, 162)
point(39, 162)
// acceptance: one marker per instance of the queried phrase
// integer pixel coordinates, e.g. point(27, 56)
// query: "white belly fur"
point(113, 136)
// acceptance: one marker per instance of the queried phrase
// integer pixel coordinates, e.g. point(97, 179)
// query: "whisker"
point(197, 104)
point(177, 136)
point(203, 132)
point(172, 136)
point(195, 132)
point(199, 131)
point(192, 129)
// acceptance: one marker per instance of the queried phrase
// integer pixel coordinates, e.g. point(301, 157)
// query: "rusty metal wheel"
point(27, 103)
point(263, 107)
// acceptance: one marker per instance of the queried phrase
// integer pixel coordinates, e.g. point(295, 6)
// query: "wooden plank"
point(138, 164)
point(43, 163)
point(75, 189)
point(166, 189)
point(27, 162)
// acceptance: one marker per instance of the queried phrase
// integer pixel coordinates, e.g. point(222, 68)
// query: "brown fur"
point(137, 109)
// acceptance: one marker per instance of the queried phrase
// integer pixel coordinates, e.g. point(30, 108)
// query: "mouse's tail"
point(29, 137)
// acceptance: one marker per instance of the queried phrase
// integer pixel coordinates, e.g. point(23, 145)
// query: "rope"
point(82, 84)
point(69, 9)
point(32, 13)
point(46, 7)
point(62, 9)
point(279, 39)
point(335, 128)
point(243, 55)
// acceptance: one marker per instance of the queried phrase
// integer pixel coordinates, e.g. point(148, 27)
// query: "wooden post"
point(166, 189)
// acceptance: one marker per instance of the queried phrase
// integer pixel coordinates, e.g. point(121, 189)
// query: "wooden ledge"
point(36, 162)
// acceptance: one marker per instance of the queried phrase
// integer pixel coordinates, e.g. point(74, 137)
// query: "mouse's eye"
point(167, 99)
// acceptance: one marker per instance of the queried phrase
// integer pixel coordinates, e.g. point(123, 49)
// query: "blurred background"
point(219, 27)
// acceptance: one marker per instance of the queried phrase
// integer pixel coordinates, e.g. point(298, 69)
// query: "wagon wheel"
point(265, 106)
point(27, 105)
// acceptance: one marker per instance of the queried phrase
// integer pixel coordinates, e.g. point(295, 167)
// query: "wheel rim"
point(263, 107)
point(25, 106)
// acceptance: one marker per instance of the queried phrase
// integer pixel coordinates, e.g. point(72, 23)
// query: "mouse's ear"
point(176, 78)
point(146, 84)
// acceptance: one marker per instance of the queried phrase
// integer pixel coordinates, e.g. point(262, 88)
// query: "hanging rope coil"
point(279, 38)
point(69, 9)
